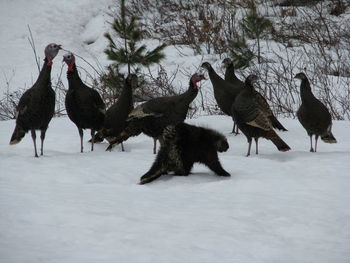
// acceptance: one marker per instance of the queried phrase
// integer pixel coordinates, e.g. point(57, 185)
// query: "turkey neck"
point(190, 94)
point(44, 75)
point(127, 91)
point(230, 73)
point(73, 77)
point(249, 88)
point(305, 91)
point(213, 75)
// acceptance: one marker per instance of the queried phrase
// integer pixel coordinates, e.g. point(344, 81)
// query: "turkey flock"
point(250, 112)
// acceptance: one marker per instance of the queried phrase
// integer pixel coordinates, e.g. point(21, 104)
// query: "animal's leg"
point(42, 137)
point(181, 172)
point(34, 141)
point(237, 131)
point(154, 145)
point(215, 165)
point(92, 139)
point(316, 138)
point(311, 149)
point(256, 145)
point(81, 134)
point(234, 127)
point(249, 146)
point(122, 145)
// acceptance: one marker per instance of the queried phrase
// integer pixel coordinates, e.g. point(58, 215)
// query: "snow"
point(68, 207)
point(72, 207)
point(69, 23)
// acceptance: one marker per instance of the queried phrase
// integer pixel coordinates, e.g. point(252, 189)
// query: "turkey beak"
point(59, 47)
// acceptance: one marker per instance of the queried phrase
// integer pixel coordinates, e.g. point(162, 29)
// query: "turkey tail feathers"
point(280, 144)
point(277, 125)
point(17, 135)
point(328, 138)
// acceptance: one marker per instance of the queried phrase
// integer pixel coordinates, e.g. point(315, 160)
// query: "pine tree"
point(240, 52)
point(130, 53)
point(255, 26)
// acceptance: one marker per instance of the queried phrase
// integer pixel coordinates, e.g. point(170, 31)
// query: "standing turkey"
point(116, 115)
point(252, 119)
point(231, 77)
point(224, 92)
point(313, 114)
point(84, 105)
point(37, 105)
point(154, 115)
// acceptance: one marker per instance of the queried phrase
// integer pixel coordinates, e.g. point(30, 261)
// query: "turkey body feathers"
point(252, 119)
point(224, 92)
point(313, 114)
point(83, 104)
point(116, 115)
point(36, 107)
point(153, 116)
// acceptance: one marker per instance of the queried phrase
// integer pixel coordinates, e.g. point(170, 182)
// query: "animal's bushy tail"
point(280, 144)
point(17, 134)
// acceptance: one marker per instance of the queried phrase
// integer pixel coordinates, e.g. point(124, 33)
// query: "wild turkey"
point(224, 92)
point(231, 77)
point(252, 119)
point(313, 114)
point(154, 115)
point(116, 115)
point(37, 105)
point(84, 105)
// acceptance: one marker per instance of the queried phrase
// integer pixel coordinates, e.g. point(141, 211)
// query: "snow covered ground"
point(73, 207)
point(70, 23)
point(69, 207)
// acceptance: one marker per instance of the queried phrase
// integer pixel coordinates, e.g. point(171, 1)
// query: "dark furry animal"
point(181, 146)
point(83, 104)
point(313, 114)
point(37, 105)
point(154, 115)
point(253, 120)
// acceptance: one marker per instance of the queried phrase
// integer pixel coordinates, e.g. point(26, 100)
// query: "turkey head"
point(70, 60)
point(196, 78)
point(51, 52)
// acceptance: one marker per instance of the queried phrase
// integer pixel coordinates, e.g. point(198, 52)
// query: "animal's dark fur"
point(181, 146)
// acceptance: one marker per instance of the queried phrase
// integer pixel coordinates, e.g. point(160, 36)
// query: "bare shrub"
point(206, 27)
